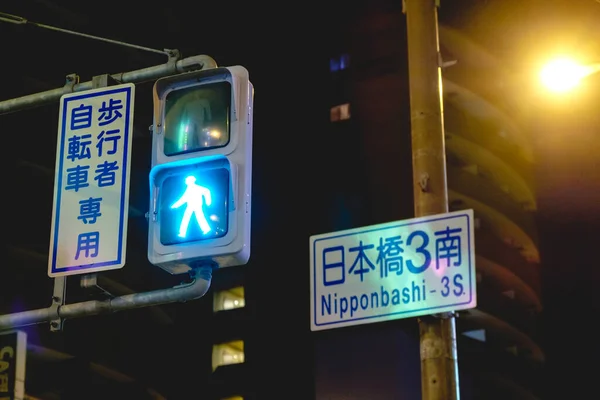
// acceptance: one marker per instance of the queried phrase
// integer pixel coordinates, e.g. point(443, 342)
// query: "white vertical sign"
point(91, 184)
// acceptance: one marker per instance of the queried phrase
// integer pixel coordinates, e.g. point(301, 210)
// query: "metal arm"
point(138, 76)
point(182, 293)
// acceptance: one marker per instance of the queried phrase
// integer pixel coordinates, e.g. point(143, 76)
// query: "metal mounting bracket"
point(105, 80)
point(59, 295)
point(90, 281)
point(70, 81)
point(174, 56)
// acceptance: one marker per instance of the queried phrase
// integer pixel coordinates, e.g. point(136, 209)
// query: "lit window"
point(344, 60)
point(233, 398)
point(227, 353)
point(229, 299)
point(340, 113)
point(339, 63)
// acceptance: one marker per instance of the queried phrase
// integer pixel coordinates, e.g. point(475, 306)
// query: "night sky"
point(283, 48)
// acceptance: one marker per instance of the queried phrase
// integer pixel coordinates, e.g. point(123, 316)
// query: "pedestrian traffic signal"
point(200, 180)
point(194, 201)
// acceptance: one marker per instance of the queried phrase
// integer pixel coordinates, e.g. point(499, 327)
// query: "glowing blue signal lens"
point(194, 204)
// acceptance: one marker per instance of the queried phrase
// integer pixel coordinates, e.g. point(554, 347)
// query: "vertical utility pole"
point(439, 367)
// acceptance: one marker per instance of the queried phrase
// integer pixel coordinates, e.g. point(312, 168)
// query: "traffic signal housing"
point(201, 174)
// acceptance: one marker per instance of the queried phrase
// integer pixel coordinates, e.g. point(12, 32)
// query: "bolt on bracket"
point(70, 81)
point(174, 56)
point(424, 182)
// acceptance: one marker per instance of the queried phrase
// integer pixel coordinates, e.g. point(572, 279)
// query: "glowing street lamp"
point(563, 74)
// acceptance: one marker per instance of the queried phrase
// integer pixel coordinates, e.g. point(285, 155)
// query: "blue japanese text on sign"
point(393, 270)
point(91, 186)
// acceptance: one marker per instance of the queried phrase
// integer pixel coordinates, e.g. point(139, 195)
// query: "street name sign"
point(91, 183)
point(394, 270)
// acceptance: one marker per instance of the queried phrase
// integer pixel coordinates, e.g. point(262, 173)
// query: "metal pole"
point(182, 293)
point(439, 366)
point(138, 76)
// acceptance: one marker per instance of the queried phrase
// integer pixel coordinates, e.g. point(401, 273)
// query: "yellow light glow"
point(563, 74)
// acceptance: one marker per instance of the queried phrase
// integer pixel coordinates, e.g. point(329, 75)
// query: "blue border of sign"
point(123, 180)
point(399, 225)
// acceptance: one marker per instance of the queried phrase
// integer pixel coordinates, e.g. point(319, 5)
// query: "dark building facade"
point(365, 170)
point(490, 165)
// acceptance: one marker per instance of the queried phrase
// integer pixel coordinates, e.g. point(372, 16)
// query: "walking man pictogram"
point(195, 196)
